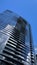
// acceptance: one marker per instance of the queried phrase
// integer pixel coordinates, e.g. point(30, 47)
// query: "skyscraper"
point(16, 46)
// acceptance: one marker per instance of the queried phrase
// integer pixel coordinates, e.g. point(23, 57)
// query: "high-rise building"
point(16, 45)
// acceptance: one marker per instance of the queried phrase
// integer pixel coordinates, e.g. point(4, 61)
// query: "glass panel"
point(3, 40)
point(6, 18)
point(27, 40)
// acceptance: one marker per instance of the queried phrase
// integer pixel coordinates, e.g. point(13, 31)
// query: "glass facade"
point(15, 40)
point(36, 59)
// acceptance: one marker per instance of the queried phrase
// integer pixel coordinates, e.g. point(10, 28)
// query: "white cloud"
point(35, 49)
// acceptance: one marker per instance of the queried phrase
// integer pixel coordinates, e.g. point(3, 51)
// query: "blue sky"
point(27, 9)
